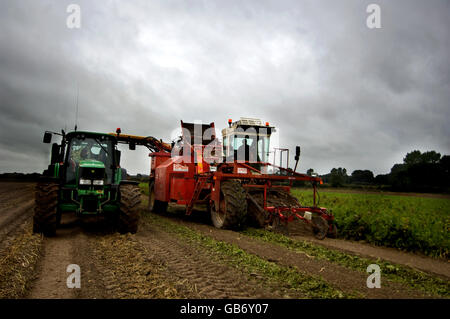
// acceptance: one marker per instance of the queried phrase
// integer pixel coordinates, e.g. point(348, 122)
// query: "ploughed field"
point(173, 256)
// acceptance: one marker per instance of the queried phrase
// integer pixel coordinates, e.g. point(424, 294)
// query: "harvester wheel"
point(232, 210)
point(320, 227)
point(45, 218)
point(155, 205)
point(256, 215)
point(278, 226)
point(130, 200)
point(332, 231)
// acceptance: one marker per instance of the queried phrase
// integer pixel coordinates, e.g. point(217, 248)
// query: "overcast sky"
point(351, 96)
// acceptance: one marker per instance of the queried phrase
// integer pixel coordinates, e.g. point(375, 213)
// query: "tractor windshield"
point(88, 149)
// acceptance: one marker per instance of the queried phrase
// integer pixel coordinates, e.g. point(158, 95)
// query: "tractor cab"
point(90, 159)
point(247, 140)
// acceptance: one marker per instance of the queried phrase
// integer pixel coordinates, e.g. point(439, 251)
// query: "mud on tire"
point(320, 227)
point(232, 210)
point(129, 214)
point(45, 218)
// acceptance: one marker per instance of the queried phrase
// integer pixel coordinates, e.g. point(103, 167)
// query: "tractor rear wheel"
point(45, 218)
point(130, 200)
point(232, 210)
point(155, 205)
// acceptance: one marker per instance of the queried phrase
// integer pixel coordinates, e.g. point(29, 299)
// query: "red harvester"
point(235, 180)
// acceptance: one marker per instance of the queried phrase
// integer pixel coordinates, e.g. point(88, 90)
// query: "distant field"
point(412, 223)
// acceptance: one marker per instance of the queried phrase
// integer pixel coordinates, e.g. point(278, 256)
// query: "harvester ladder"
point(198, 188)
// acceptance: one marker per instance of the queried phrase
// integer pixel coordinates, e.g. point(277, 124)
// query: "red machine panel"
point(181, 189)
point(174, 180)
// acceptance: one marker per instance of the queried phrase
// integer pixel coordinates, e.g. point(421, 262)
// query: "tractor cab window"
point(88, 149)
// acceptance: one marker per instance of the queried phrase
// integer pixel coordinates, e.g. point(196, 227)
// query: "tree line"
point(419, 172)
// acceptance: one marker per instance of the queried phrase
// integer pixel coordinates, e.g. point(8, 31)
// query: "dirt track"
point(159, 263)
point(16, 206)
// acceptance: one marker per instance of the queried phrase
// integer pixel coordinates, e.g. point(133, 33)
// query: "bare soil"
point(70, 246)
point(435, 266)
point(342, 278)
point(16, 207)
point(207, 277)
point(155, 263)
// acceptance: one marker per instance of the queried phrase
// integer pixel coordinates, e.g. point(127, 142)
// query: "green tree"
point(310, 172)
point(338, 177)
point(411, 158)
point(362, 176)
point(431, 157)
point(416, 157)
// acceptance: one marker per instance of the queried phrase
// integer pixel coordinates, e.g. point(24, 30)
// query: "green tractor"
point(84, 177)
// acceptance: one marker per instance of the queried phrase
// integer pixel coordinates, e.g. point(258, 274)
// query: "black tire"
point(320, 227)
point(129, 213)
point(155, 205)
point(232, 210)
point(332, 231)
point(45, 218)
point(151, 196)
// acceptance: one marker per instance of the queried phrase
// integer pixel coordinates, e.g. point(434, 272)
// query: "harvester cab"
point(84, 177)
point(247, 140)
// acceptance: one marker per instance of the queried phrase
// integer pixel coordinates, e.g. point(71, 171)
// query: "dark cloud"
point(350, 96)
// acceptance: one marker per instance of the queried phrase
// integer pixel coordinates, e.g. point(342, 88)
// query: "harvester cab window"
point(263, 149)
point(250, 145)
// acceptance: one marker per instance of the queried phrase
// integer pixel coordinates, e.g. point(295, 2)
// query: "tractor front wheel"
point(45, 218)
point(232, 210)
point(130, 200)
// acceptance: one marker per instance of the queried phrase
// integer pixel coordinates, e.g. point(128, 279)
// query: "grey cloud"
point(350, 96)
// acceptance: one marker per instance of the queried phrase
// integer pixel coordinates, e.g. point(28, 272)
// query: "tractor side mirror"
point(132, 146)
point(297, 153)
point(47, 137)
point(55, 153)
point(118, 157)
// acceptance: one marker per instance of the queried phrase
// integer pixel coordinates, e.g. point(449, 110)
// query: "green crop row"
point(144, 188)
point(405, 222)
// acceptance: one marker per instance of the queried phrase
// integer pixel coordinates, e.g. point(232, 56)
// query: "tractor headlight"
point(85, 181)
point(97, 182)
